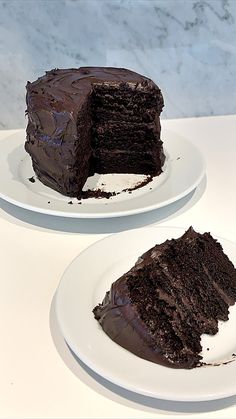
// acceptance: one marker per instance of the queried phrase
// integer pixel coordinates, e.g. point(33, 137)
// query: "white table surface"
point(39, 377)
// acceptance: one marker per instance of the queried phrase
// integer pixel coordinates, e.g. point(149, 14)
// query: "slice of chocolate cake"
point(92, 119)
point(176, 291)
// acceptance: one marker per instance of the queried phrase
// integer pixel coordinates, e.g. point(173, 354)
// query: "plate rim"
point(108, 214)
point(85, 359)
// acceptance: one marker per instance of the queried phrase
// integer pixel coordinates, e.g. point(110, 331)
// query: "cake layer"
point(125, 96)
point(219, 269)
point(104, 115)
point(120, 161)
point(175, 292)
point(126, 102)
point(126, 136)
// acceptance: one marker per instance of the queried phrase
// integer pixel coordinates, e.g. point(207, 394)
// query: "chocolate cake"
point(176, 291)
point(92, 120)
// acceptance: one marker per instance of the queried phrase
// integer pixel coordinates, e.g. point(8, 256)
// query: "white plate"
point(184, 169)
point(83, 286)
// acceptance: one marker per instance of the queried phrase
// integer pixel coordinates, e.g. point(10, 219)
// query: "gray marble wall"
point(187, 47)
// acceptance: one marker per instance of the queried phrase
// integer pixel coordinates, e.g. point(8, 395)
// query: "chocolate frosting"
point(122, 323)
point(63, 85)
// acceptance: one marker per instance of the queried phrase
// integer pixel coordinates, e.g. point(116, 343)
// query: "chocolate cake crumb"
point(31, 179)
point(96, 193)
point(139, 184)
point(178, 158)
point(218, 364)
point(49, 202)
point(70, 202)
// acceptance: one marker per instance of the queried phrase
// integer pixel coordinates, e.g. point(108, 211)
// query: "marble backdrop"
point(187, 47)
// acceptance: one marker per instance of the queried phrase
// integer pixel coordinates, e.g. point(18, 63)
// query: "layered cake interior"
point(93, 120)
point(125, 130)
point(176, 291)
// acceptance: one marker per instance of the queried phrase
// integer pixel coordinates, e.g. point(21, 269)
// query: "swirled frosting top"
point(66, 89)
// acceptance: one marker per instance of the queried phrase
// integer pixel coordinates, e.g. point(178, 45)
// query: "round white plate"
point(184, 169)
point(84, 285)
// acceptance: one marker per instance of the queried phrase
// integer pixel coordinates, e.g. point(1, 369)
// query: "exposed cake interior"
point(176, 292)
point(93, 120)
point(125, 129)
